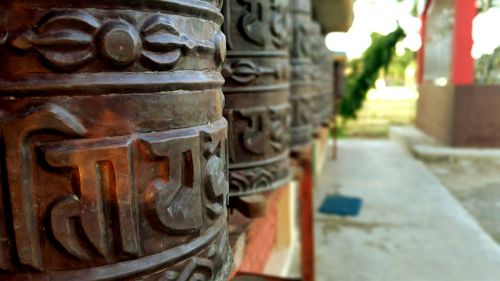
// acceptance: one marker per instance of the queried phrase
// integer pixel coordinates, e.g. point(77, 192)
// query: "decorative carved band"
point(89, 40)
point(260, 178)
point(245, 72)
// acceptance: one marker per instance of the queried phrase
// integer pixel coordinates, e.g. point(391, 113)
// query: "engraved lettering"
point(214, 149)
point(258, 132)
point(267, 127)
point(174, 204)
point(20, 158)
point(280, 120)
point(101, 169)
point(264, 23)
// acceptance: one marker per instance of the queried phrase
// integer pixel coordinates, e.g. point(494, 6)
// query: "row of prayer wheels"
point(126, 127)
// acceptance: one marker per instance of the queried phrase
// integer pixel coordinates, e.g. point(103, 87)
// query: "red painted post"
point(307, 220)
point(421, 52)
point(462, 61)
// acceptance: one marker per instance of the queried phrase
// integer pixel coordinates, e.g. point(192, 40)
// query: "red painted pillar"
point(462, 61)
point(421, 52)
point(307, 221)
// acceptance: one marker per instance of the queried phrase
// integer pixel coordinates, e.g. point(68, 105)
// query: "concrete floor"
point(410, 226)
point(470, 174)
point(477, 186)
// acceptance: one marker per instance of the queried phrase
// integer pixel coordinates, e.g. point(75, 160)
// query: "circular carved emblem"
point(119, 42)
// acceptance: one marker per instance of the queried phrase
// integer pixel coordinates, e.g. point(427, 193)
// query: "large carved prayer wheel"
point(113, 143)
point(322, 77)
point(302, 90)
point(327, 79)
point(316, 57)
point(257, 94)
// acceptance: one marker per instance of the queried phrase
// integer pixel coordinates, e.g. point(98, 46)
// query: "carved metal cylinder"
point(113, 159)
point(257, 94)
point(327, 79)
point(302, 92)
point(322, 77)
point(317, 105)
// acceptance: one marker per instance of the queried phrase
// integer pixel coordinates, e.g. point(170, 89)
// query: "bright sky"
point(382, 16)
point(379, 16)
point(486, 32)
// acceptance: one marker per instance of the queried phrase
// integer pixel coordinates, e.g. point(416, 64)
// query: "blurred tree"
point(363, 72)
point(483, 5)
point(488, 68)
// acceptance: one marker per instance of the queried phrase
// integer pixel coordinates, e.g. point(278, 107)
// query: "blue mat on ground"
point(341, 205)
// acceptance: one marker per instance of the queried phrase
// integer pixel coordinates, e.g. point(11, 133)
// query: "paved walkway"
point(410, 227)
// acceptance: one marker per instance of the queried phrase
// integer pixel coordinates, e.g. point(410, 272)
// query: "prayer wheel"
point(316, 58)
point(257, 90)
point(327, 79)
point(303, 93)
point(113, 145)
point(322, 77)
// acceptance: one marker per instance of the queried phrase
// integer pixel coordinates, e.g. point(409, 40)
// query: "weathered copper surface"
point(327, 79)
point(113, 160)
point(317, 104)
point(257, 94)
point(322, 77)
point(339, 65)
point(302, 90)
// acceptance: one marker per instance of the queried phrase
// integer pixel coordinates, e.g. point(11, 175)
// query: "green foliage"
point(484, 5)
point(365, 71)
point(487, 69)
